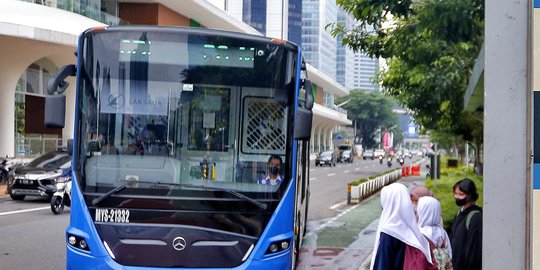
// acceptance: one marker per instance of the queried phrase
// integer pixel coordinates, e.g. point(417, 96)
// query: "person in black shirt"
point(466, 234)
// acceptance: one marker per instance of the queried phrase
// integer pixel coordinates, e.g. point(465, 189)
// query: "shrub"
point(442, 188)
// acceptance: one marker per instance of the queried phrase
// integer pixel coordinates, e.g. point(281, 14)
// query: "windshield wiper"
point(202, 187)
point(113, 191)
point(230, 191)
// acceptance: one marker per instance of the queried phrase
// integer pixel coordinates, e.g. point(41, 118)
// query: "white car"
point(367, 154)
point(379, 152)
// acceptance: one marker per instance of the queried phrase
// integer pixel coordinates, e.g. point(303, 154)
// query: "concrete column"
point(316, 138)
point(12, 65)
point(507, 136)
point(311, 145)
point(323, 139)
point(8, 82)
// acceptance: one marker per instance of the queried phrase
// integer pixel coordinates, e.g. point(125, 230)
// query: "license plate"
point(26, 182)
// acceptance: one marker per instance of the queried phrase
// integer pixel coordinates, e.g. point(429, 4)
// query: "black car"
point(326, 158)
point(38, 177)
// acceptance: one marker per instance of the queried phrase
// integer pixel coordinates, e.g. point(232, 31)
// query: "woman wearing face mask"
point(466, 234)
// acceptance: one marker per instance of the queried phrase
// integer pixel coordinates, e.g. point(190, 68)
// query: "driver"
point(274, 166)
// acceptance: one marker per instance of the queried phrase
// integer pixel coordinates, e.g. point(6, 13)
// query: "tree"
point(430, 47)
point(369, 112)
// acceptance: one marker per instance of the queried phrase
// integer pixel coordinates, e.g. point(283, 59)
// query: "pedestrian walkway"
point(346, 241)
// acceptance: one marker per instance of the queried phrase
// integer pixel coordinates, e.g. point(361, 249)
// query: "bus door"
point(208, 132)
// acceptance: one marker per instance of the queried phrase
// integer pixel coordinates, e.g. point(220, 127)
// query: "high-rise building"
point(365, 71)
point(345, 56)
point(319, 46)
point(272, 18)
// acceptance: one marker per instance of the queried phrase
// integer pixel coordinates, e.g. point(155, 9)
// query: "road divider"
point(363, 188)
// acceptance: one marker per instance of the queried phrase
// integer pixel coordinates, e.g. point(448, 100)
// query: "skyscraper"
point(364, 73)
point(273, 18)
point(320, 48)
point(345, 59)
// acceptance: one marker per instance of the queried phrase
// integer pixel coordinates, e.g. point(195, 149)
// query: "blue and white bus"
point(174, 132)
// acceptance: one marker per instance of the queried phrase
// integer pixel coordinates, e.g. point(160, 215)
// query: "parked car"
point(326, 158)
point(378, 152)
point(368, 154)
point(38, 177)
point(346, 156)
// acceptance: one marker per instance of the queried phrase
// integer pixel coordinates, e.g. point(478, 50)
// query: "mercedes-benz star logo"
point(179, 243)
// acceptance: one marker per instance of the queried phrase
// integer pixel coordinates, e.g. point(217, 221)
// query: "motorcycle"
point(389, 163)
point(6, 166)
point(61, 195)
point(401, 160)
point(4, 170)
point(381, 159)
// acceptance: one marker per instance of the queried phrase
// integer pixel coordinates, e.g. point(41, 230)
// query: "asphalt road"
point(32, 237)
point(329, 184)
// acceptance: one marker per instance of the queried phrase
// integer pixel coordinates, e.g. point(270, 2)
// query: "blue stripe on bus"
point(536, 126)
point(536, 3)
point(536, 176)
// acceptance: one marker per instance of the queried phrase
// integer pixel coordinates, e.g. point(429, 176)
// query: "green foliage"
point(430, 47)
point(442, 189)
point(370, 111)
point(363, 180)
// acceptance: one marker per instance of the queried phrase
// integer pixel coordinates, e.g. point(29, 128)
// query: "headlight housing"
point(62, 179)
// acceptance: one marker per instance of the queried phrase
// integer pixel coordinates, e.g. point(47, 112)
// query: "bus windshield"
point(184, 115)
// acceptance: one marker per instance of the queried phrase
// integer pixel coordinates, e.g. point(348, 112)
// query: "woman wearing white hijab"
point(397, 229)
point(429, 220)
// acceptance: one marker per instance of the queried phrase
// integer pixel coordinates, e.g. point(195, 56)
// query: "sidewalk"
point(410, 182)
point(346, 241)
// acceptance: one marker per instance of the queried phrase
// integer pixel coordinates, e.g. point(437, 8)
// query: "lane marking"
point(346, 171)
point(338, 205)
point(313, 178)
point(356, 169)
point(24, 211)
point(331, 174)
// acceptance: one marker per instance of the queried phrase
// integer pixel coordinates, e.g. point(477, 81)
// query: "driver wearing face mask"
point(274, 166)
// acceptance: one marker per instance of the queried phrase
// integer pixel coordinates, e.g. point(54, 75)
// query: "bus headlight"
point(77, 242)
point(278, 246)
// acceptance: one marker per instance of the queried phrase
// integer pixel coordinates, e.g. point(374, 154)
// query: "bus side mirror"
point(55, 111)
point(70, 147)
point(302, 124)
point(309, 94)
point(57, 82)
point(55, 106)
